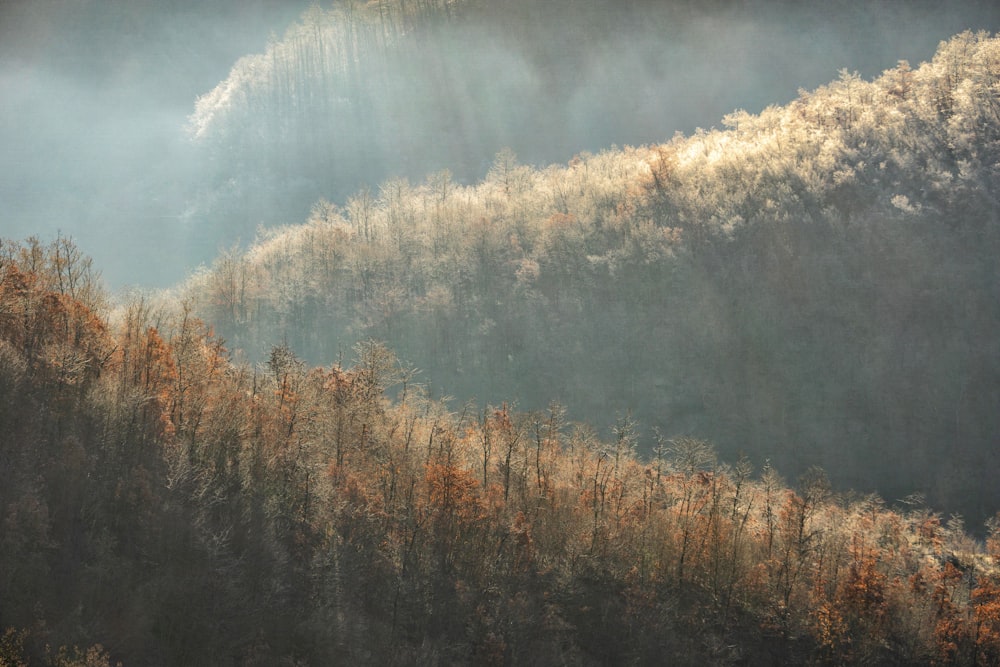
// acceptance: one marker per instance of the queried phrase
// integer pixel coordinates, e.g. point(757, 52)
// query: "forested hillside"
point(163, 504)
point(355, 92)
point(729, 399)
point(813, 285)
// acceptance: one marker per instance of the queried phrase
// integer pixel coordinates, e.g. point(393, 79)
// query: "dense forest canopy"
point(812, 285)
point(161, 503)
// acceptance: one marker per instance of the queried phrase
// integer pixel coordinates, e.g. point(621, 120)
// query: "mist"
point(93, 100)
point(97, 97)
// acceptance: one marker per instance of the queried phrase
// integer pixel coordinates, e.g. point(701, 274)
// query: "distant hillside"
point(358, 92)
point(816, 284)
point(355, 93)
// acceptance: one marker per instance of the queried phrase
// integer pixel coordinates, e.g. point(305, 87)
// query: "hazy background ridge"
point(95, 96)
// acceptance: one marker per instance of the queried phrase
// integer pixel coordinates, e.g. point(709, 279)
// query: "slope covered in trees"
point(358, 92)
point(813, 285)
point(163, 504)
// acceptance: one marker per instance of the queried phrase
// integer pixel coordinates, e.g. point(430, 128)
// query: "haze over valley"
point(465, 332)
point(98, 95)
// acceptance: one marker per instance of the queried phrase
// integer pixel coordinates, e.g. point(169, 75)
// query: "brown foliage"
point(326, 521)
